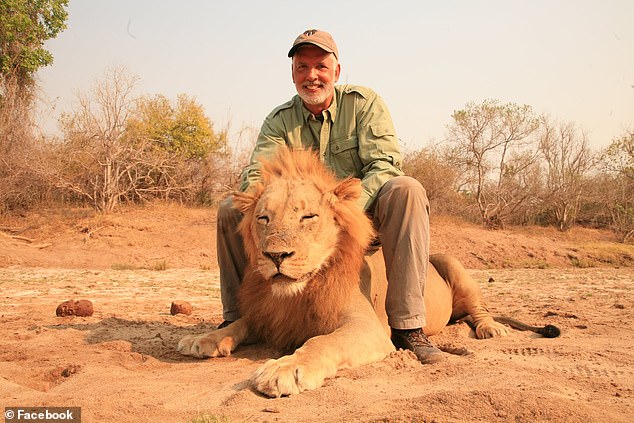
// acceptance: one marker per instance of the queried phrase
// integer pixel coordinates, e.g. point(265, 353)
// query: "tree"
point(98, 161)
point(567, 161)
point(24, 27)
point(180, 131)
point(180, 128)
point(493, 143)
point(617, 163)
point(122, 148)
point(619, 156)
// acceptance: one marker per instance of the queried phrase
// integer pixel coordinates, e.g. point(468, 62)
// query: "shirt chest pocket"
point(344, 157)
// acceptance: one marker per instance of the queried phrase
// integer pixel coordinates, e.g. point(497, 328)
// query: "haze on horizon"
point(573, 60)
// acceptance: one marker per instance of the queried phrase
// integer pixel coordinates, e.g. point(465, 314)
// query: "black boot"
point(416, 341)
point(224, 324)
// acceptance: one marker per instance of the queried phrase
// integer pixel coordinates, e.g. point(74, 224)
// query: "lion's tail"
point(548, 331)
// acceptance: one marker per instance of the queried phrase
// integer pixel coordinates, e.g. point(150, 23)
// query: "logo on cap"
point(321, 39)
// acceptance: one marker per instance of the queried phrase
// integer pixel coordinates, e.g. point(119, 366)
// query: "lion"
point(306, 239)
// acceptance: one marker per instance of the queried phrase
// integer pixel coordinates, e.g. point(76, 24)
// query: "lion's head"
point(305, 237)
point(297, 218)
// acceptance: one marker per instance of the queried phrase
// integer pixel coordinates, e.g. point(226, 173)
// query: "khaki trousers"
point(400, 214)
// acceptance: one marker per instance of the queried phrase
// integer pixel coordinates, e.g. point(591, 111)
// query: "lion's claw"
point(285, 376)
point(185, 345)
point(491, 330)
point(205, 346)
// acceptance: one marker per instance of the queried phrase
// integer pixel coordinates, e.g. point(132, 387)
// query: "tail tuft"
point(549, 331)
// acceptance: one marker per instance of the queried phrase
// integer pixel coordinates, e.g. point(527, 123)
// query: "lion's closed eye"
point(311, 217)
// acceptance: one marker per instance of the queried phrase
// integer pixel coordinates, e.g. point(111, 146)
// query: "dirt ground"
point(121, 365)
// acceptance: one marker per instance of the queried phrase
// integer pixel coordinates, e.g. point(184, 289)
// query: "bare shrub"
point(493, 145)
point(97, 162)
point(564, 149)
point(22, 183)
point(615, 188)
point(438, 177)
point(121, 148)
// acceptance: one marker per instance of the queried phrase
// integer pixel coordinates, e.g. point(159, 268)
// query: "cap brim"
point(292, 51)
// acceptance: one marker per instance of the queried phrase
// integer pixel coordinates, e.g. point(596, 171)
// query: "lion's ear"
point(348, 189)
point(243, 201)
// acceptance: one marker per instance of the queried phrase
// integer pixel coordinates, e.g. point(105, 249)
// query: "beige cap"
point(321, 39)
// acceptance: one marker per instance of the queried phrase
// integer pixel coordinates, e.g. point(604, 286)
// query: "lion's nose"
point(278, 258)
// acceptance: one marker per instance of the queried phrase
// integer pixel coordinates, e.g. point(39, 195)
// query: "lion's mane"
point(287, 322)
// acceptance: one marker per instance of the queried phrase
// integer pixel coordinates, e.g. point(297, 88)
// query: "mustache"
point(312, 84)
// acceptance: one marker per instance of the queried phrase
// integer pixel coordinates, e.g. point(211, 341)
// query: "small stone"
point(70, 370)
point(181, 307)
point(80, 308)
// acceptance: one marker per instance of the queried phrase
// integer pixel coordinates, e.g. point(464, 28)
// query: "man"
point(351, 129)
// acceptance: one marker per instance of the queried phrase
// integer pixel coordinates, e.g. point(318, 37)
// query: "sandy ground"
point(121, 365)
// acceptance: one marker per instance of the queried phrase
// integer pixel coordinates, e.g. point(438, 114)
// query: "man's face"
point(315, 73)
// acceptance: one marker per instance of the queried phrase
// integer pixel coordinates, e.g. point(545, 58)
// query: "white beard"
point(319, 97)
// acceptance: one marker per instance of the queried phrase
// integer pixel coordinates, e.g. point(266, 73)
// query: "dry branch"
point(23, 238)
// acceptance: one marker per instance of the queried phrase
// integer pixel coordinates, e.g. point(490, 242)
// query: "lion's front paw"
point(285, 376)
point(491, 330)
point(212, 344)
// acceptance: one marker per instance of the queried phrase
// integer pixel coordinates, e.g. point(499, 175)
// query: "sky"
point(570, 59)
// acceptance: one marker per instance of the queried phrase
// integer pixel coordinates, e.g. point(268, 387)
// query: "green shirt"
point(356, 138)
